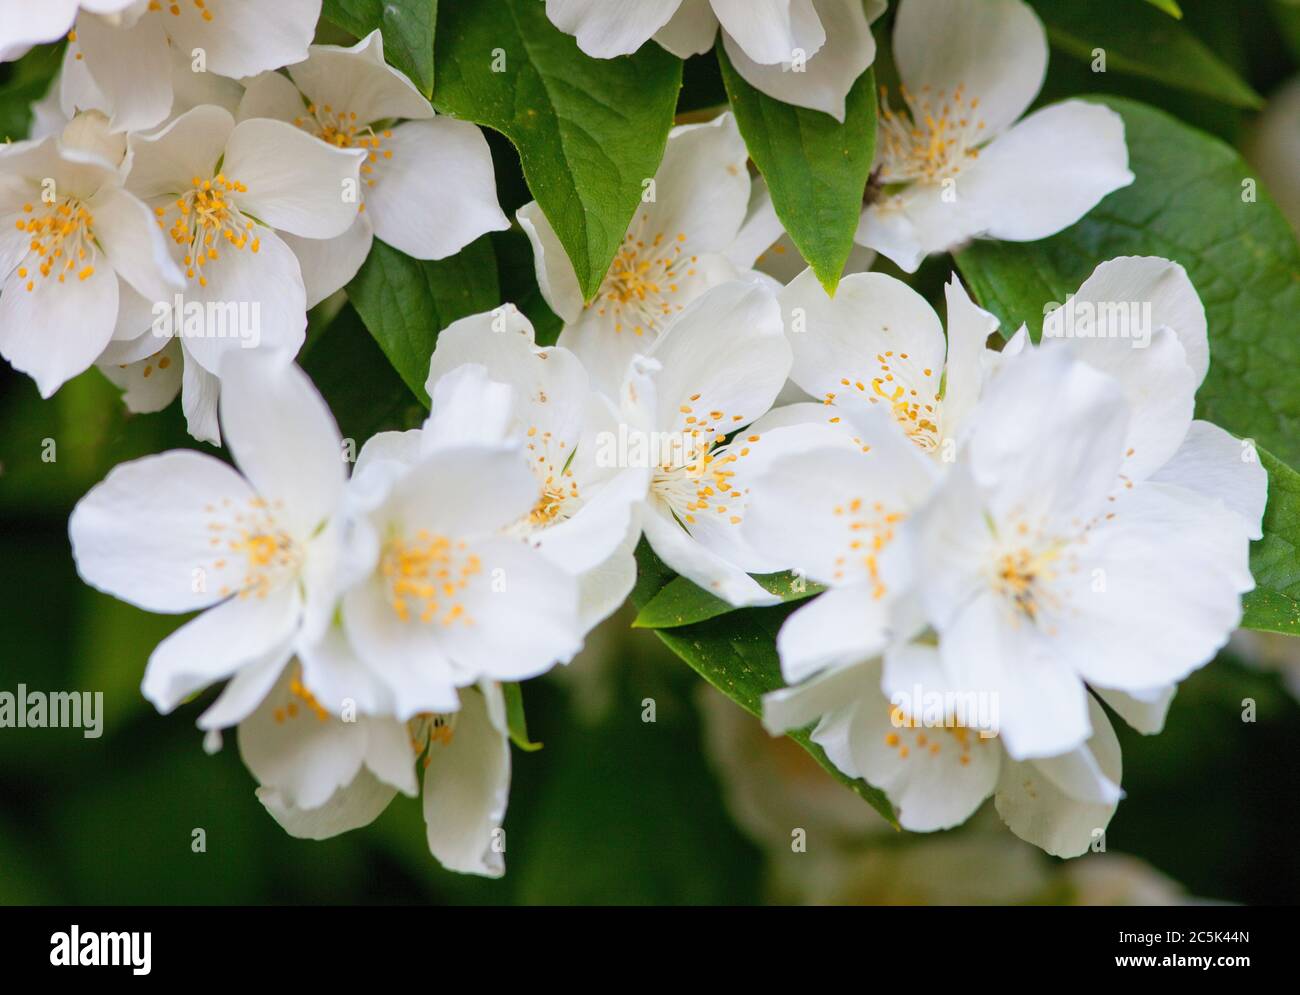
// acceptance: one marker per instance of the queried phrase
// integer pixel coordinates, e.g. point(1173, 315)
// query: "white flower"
point(1088, 534)
point(221, 192)
point(442, 592)
point(938, 774)
point(955, 162)
point(74, 90)
point(804, 52)
point(126, 61)
point(878, 341)
point(1274, 148)
point(690, 237)
point(78, 253)
point(322, 774)
point(427, 182)
point(254, 549)
point(696, 402)
point(586, 519)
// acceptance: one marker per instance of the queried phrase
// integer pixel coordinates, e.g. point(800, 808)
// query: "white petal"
point(467, 785)
point(283, 439)
point(215, 644)
point(555, 274)
point(135, 247)
point(1214, 464)
point(838, 339)
point(246, 690)
point(437, 193)
point(1034, 804)
point(609, 28)
point(701, 187)
point(142, 534)
point(148, 386)
point(57, 329)
point(200, 391)
point(246, 37)
point(131, 66)
point(674, 545)
point(824, 81)
point(922, 219)
point(1047, 171)
point(1144, 710)
point(796, 707)
point(164, 162)
point(358, 81)
point(690, 31)
point(969, 328)
point(270, 95)
point(771, 31)
point(295, 181)
point(357, 805)
point(329, 264)
point(841, 626)
point(35, 24)
point(996, 50)
point(1162, 284)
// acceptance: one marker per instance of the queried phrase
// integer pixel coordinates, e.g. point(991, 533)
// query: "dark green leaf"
point(1274, 605)
point(589, 131)
point(407, 26)
point(1190, 203)
point(682, 603)
point(736, 653)
point(815, 167)
point(406, 302)
point(1138, 40)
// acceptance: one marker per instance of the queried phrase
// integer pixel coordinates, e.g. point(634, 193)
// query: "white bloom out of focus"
point(122, 62)
point(255, 549)
point(696, 233)
point(322, 774)
point(587, 519)
point(221, 192)
point(78, 253)
point(1273, 148)
point(427, 187)
point(956, 161)
point(802, 52)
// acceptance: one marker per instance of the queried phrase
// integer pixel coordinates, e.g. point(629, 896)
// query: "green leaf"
point(736, 653)
point(406, 302)
point(1190, 204)
point(407, 26)
point(816, 168)
point(515, 720)
point(1170, 7)
point(589, 131)
point(1274, 605)
point(682, 603)
point(1142, 42)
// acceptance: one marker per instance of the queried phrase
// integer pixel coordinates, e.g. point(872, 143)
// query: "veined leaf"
point(407, 26)
point(815, 167)
point(736, 653)
point(1194, 201)
point(680, 602)
point(1274, 605)
point(1142, 42)
point(406, 302)
point(589, 131)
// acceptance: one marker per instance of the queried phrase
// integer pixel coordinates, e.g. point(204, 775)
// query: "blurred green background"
point(612, 809)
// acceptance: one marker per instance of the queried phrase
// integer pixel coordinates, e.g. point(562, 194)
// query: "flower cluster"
point(1003, 534)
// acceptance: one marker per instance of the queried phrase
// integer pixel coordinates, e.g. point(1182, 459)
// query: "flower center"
point(909, 735)
point(644, 278)
point(930, 139)
point(549, 458)
point(1024, 576)
point(340, 129)
point(870, 530)
point(908, 391)
point(695, 470)
point(264, 555)
point(299, 699)
point(425, 577)
point(63, 240)
point(207, 216)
